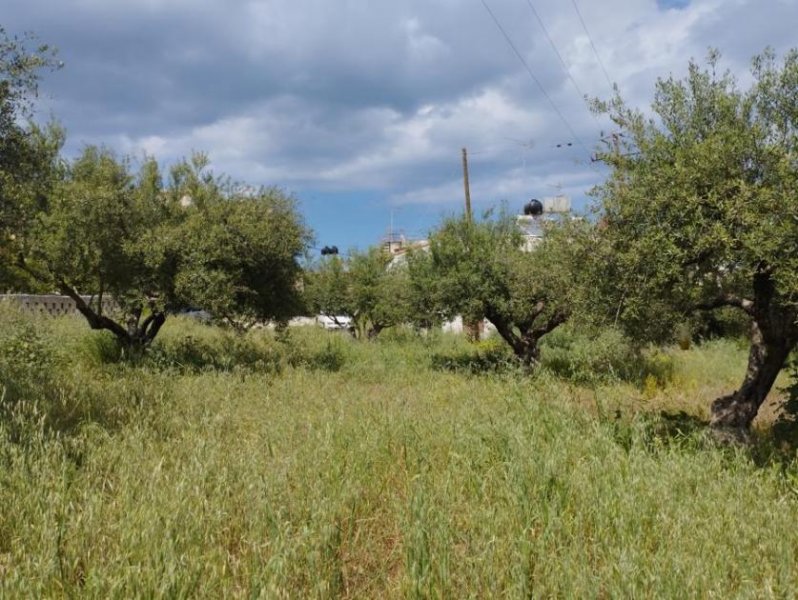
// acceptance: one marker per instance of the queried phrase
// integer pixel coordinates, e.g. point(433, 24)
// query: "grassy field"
point(316, 466)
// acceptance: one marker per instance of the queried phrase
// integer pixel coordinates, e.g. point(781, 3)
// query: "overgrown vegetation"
point(364, 470)
point(560, 457)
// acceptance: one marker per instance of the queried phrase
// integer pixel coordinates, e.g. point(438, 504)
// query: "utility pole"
point(465, 186)
point(471, 328)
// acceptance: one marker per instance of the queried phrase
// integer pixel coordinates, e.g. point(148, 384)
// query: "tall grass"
point(383, 477)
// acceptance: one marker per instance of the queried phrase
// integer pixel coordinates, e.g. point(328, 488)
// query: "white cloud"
point(375, 96)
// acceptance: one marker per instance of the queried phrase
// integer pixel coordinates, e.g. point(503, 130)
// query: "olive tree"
point(240, 251)
point(27, 151)
point(101, 232)
point(700, 212)
point(368, 288)
point(481, 270)
point(326, 290)
point(139, 248)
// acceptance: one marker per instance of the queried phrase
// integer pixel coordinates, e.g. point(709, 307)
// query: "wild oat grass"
point(385, 477)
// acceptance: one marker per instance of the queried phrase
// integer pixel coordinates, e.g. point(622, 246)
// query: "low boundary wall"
point(52, 304)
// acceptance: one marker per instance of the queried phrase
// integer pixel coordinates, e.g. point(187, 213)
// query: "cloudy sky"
point(360, 108)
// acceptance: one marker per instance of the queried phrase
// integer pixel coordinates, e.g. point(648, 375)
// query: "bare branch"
point(728, 300)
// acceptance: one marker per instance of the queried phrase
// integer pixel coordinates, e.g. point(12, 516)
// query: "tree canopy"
point(123, 236)
point(365, 287)
point(27, 152)
point(481, 270)
point(240, 252)
point(700, 212)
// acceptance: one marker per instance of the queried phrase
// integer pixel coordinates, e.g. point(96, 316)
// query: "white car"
point(334, 322)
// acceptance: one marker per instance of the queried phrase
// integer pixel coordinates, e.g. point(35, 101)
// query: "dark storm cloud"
point(171, 65)
point(375, 96)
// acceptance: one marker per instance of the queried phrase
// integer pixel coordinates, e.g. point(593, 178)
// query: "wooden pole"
point(472, 328)
point(465, 185)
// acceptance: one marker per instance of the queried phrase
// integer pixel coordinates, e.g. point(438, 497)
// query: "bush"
point(602, 356)
point(316, 349)
point(217, 350)
point(26, 359)
point(488, 355)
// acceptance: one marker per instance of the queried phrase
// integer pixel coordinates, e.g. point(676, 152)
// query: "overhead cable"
point(592, 45)
point(554, 47)
point(534, 78)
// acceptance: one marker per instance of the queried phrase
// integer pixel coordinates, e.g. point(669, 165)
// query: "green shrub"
point(489, 355)
point(601, 356)
point(306, 352)
point(26, 359)
point(218, 350)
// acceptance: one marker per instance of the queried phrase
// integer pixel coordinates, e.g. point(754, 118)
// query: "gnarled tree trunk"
point(774, 334)
point(766, 358)
point(525, 338)
point(134, 338)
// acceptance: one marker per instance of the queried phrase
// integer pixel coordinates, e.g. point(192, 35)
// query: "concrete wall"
point(53, 304)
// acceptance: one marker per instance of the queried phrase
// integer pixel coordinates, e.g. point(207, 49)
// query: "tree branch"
point(728, 300)
point(95, 321)
point(528, 322)
point(504, 327)
point(152, 326)
point(557, 319)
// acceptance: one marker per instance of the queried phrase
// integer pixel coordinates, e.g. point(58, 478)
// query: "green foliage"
point(217, 351)
point(367, 288)
point(112, 233)
point(480, 270)
point(19, 73)
point(91, 233)
point(199, 348)
point(26, 360)
point(473, 265)
point(331, 356)
point(27, 152)
point(240, 255)
point(603, 356)
point(700, 201)
point(327, 288)
point(378, 291)
point(486, 356)
point(426, 307)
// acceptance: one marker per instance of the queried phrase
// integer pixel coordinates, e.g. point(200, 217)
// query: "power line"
point(535, 79)
point(562, 62)
point(554, 47)
point(592, 45)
